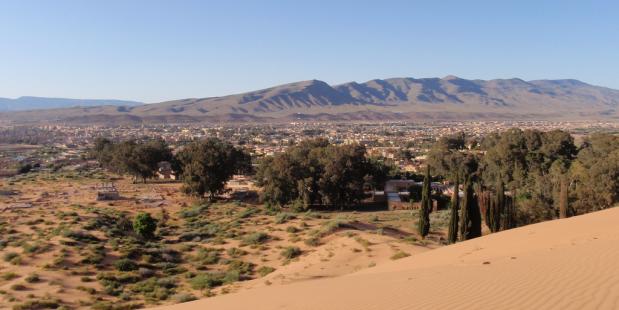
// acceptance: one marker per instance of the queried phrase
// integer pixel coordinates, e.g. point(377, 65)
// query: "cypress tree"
point(452, 235)
point(484, 199)
point(499, 207)
point(464, 214)
point(426, 205)
point(470, 214)
point(491, 213)
point(509, 213)
point(474, 215)
point(563, 199)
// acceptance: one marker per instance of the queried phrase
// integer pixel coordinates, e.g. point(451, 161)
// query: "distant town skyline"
point(153, 51)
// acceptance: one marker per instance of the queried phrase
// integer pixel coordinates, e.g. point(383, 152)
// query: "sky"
point(153, 51)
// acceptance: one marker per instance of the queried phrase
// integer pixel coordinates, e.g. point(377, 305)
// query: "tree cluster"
point(204, 166)
point(139, 159)
point(524, 176)
point(317, 173)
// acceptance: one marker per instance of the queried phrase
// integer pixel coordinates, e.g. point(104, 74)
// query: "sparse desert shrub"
point(170, 269)
point(86, 279)
point(33, 278)
point(94, 255)
point(193, 236)
point(81, 236)
point(365, 243)
point(265, 270)
point(89, 290)
point(155, 289)
point(125, 265)
point(206, 281)
point(244, 268)
point(247, 213)
point(231, 276)
point(292, 229)
point(10, 256)
point(399, 254)
point(312, 241)
point(235, 252)
point(291, 252)
point(38, 304)
point(18, 287)
point(185, 297)
point(193, 211)
point(157, 254)
point(8, 276)
point(331, 226)
point(255, 238)
point(207, 256)
point(284, 217)
point(146, 272)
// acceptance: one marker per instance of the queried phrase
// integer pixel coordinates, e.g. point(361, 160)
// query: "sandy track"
point(563, 264)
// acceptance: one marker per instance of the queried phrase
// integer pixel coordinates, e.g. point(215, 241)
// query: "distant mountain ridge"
point(389, 99)
point(33, 103)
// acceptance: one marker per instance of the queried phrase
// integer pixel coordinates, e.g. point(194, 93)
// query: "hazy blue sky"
point(158, 50)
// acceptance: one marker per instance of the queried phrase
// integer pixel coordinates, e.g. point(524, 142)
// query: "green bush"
point(144, 225)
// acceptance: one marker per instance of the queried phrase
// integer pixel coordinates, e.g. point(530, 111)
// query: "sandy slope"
point(563, 264)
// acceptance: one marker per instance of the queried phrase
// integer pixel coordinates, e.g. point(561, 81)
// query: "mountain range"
point(389, 99)
point(35, 103)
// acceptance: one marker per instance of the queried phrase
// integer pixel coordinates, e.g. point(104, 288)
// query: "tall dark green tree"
point(452, 235)
point(423, 225)
point(207, 165)
point(563, 199)
point(509, 213)
point(495, 209)
point(470, 216)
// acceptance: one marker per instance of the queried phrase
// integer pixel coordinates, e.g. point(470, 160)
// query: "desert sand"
point(563, 264)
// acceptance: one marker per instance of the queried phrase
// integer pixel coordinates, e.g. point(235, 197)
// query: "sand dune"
point(563, 264)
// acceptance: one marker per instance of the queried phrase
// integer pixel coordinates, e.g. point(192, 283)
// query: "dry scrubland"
point(67, 250)
point(571, 263)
